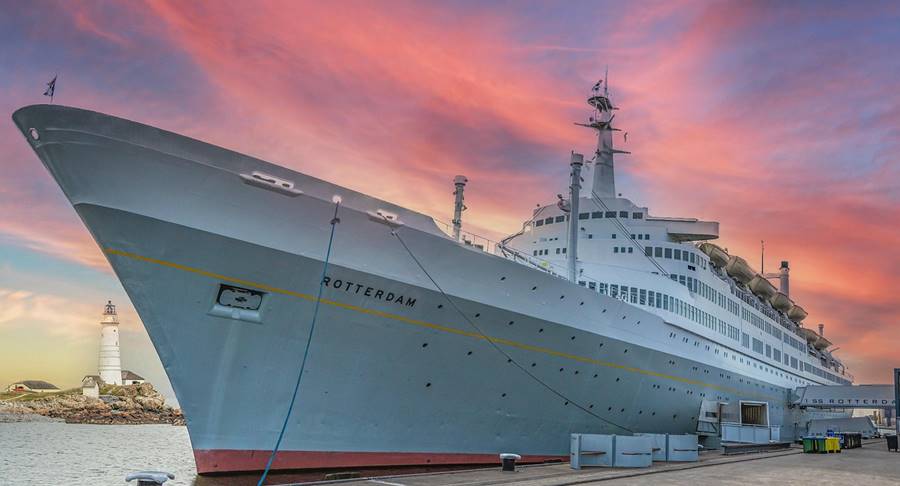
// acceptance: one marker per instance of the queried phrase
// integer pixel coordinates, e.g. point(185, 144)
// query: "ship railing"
point(505, 251)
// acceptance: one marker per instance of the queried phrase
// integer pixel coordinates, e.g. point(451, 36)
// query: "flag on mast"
point(51, 88)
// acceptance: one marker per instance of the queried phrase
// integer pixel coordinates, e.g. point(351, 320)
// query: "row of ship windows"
point(711, 294)
point(662, 301)
point(546, 251)
point(592, 215)
point(674, 254)
point(696, 286)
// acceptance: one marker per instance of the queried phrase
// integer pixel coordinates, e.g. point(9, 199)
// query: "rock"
point(129, 404)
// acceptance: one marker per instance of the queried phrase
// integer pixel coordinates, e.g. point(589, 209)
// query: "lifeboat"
point(717, 255)
point(810, 335)
point(762, 287)
point(796, 313)
point(781, 302)
point(738, 268)
point(822, 343)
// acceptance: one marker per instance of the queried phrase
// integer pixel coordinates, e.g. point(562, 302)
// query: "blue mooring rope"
point(334, 221)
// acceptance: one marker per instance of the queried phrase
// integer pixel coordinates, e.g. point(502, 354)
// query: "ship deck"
point(872, 464)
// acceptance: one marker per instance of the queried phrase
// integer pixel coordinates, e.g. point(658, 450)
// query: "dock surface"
point(871, 465)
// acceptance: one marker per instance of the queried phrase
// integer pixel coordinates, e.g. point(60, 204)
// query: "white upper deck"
point(656, 263)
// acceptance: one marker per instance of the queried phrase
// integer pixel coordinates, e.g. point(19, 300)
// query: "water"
point(69, 454)
point(58, 453)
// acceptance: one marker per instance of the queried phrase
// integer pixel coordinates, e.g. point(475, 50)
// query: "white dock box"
point(682, 448)
point(610, 451)
point(591, 450)
point(659, 445)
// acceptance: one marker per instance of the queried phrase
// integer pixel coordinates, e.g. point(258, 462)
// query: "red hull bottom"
point(227, 461)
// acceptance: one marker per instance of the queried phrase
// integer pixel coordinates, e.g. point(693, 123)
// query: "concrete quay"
point(871, 465)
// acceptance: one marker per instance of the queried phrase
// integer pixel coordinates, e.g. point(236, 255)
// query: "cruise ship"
point(430, 346)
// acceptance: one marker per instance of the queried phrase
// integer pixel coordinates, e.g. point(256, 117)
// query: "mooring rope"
point(334, 221)
point(509, 359)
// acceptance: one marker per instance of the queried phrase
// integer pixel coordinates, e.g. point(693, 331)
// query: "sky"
point(781, 120)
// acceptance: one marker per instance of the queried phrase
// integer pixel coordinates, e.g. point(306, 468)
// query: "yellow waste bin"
point(832, 444)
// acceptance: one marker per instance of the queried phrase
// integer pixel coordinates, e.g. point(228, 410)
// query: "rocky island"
point(120, 405)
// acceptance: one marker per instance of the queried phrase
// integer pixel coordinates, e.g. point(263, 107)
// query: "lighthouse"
point(110, 361)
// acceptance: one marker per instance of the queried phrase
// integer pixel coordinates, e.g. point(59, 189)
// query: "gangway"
point(846, 396)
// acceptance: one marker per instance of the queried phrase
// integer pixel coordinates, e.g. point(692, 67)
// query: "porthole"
point(576, 372)
point(560, 370)
point(595, 375)
point(622, 410)
point(581, 303)
point(510, 323)
point(609, 409)
point(533, 365)
point(626, 351)
point(503, 395)
point(469, 353)
point(617, 379)
point(591, 406)
point(561, 297)
point(572, 338)
point(440, 306)
point(34, 133)
point(424, 345)
point(502, 278)
point(534, 288)
point(541, 330)
point(603, 311)
point(566, 403)
point(428, 385)
point(477, 315)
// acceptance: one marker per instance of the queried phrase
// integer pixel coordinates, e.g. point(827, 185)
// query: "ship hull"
point(505, 359)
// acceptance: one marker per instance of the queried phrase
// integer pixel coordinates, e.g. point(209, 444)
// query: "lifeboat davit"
point(781, 302)
point(762, 287)
point(810, 335)
point(738, 268)
point(821, 343)
point(717, 255)
point(796, 313)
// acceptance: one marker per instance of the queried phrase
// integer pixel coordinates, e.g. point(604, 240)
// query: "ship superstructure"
point(432, 347)
point(670, 267)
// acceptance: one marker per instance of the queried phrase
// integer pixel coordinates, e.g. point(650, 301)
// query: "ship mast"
point(604, 182)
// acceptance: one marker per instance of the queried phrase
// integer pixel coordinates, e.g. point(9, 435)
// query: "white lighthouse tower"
point(110, 361)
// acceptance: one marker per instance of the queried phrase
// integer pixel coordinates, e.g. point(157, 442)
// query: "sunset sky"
point(781, 121)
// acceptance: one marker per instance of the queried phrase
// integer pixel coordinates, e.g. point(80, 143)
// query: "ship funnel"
point(783, 278)
point(458, 206)
point(821, 329)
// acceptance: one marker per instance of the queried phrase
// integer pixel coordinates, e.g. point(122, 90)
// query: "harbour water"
point(58, 453)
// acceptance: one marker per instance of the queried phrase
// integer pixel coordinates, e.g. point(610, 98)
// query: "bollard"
point(149, 478)
point(509, 461)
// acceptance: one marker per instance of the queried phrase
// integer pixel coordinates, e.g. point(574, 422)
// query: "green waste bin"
point(820, 445)
point(809, 444)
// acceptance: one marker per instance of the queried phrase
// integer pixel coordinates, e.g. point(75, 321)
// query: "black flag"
point(51, 88)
